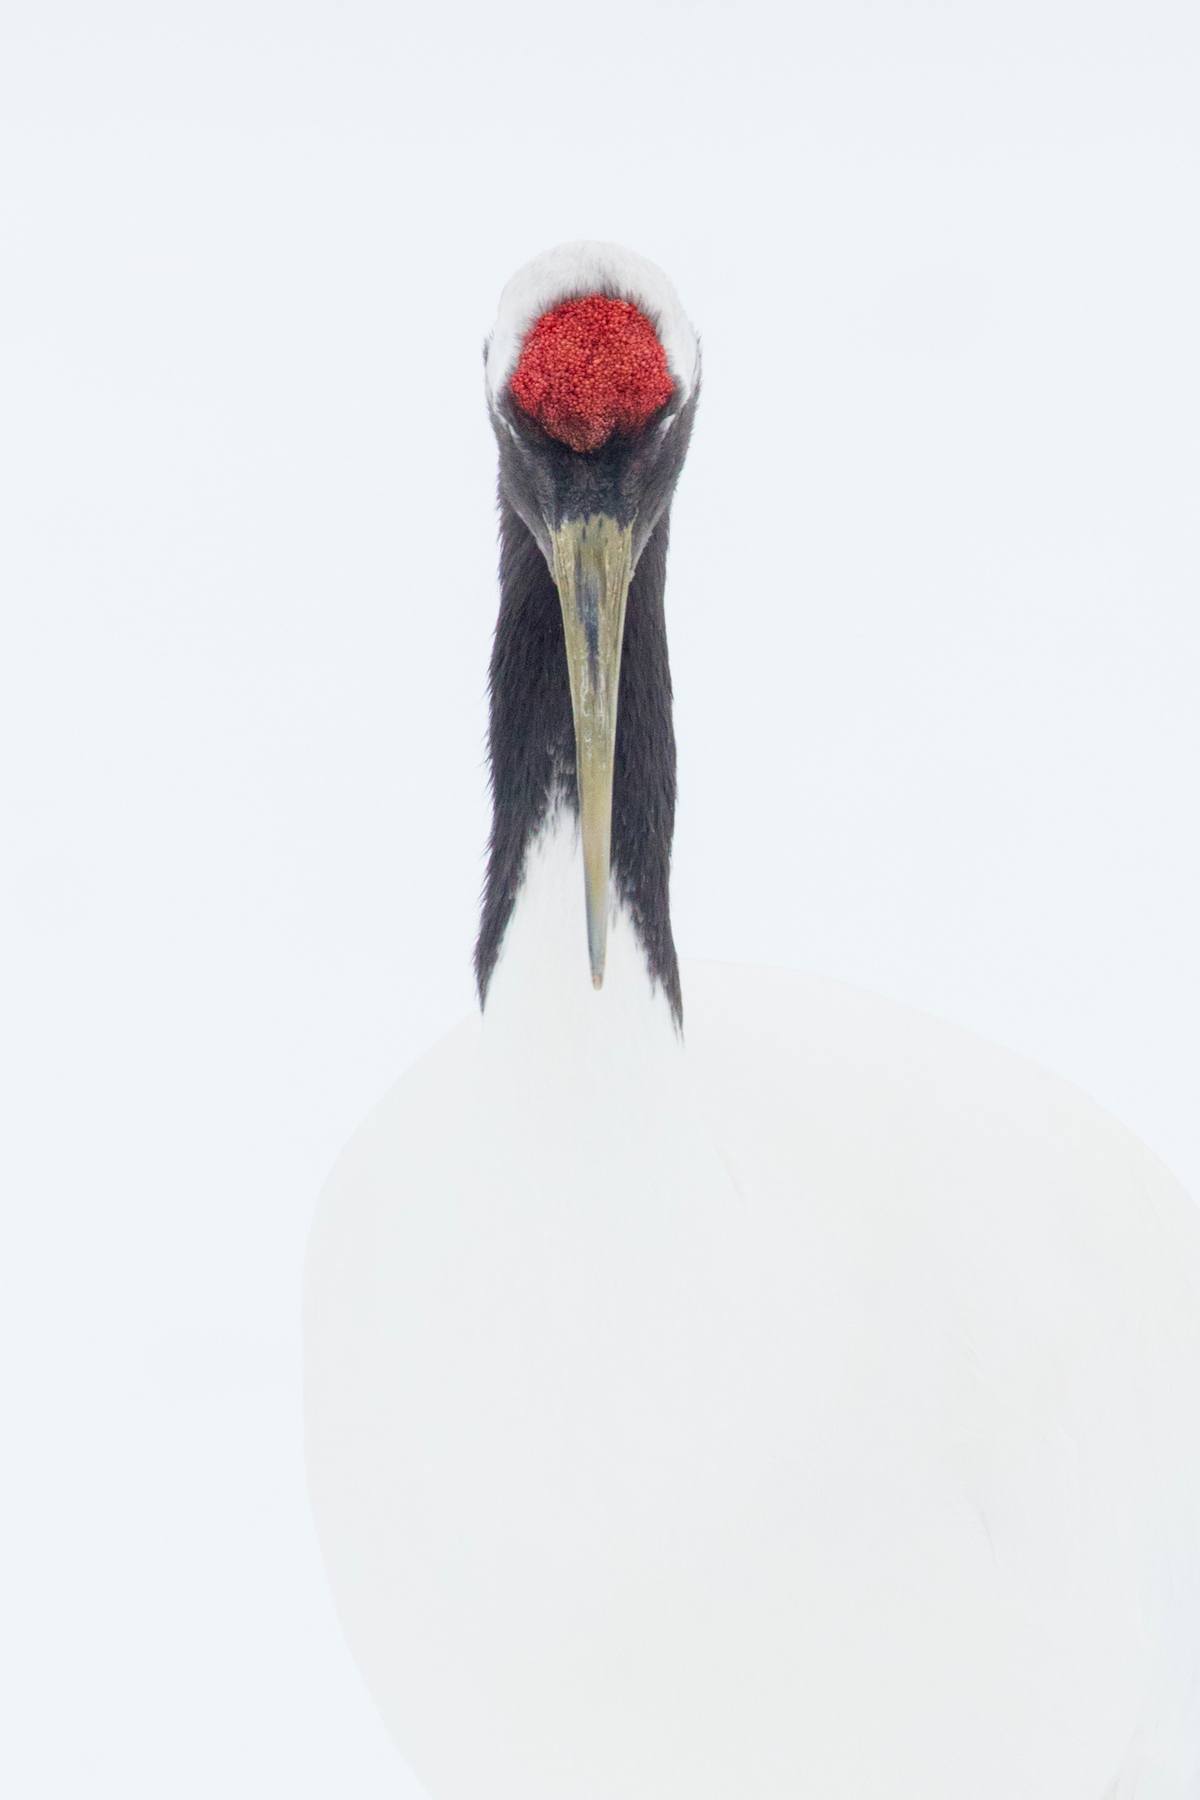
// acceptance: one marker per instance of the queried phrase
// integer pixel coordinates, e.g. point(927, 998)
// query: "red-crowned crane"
point(802, 1406)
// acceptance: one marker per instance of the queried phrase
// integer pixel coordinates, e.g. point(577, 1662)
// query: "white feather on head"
point(585, 267)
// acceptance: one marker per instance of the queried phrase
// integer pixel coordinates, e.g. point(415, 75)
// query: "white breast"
point(811, 1411)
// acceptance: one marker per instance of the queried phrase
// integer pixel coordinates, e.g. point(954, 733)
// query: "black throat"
point(532, 749)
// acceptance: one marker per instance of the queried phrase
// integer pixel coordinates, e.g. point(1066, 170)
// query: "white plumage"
point(809, 1411)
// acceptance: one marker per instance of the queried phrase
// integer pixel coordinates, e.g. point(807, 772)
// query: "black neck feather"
point(532, 748)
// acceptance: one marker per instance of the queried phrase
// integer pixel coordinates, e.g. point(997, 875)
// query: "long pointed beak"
point(593, 566)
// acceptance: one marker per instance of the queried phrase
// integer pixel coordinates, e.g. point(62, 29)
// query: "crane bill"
point(593, 566)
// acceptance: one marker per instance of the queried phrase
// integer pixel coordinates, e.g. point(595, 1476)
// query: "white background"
point(934, 618)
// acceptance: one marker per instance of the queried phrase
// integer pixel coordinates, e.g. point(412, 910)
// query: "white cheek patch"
point(572, 270)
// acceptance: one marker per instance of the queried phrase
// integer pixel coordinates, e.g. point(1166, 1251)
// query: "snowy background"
point(935, 617)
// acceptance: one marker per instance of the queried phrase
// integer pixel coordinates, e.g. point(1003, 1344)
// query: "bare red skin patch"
point(591, 367)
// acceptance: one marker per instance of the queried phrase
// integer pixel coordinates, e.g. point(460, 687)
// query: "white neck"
point(541, 992)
